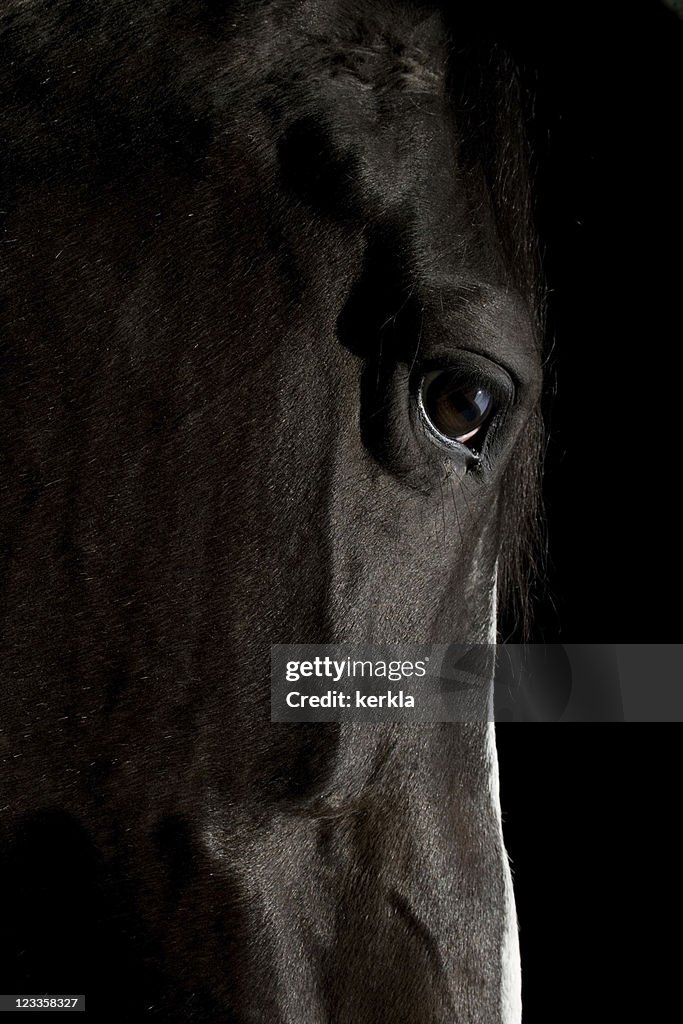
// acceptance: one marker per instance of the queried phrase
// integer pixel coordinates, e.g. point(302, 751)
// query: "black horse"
point(270, 364)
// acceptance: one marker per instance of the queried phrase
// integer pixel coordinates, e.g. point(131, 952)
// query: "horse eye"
point(456, 409)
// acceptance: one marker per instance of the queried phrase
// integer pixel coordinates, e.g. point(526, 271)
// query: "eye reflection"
point(455, 408)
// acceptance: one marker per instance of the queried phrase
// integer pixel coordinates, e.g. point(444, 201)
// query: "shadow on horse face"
point(217, 340)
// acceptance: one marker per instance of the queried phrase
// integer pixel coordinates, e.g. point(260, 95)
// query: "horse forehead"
point(398, 48)
point(364, 40)
point(363, 67)
point(353, 117)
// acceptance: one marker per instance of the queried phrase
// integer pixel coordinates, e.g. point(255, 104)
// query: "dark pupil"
point(453, 408)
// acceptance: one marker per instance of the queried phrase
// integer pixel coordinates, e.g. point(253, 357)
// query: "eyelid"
point(495, 376)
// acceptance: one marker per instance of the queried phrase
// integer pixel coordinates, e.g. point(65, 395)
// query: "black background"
point(590, 810)
point(590, 819)
point(606, 141)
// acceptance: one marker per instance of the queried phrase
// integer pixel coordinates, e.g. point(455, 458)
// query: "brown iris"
point(455, 408)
